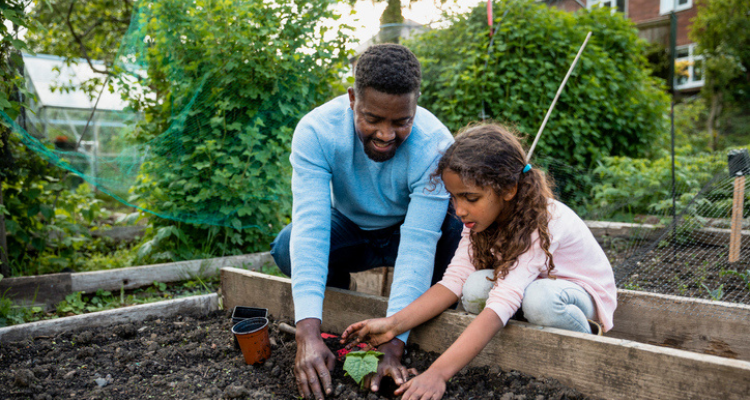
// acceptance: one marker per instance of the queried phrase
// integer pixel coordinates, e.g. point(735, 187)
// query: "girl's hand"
point(427, 386)
point(373, 332)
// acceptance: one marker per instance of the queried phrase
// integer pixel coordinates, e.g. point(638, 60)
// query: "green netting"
point(218, 87)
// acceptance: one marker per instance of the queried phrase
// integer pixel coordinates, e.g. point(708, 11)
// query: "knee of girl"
point(476, 290)
point(538, 313)
point(538, 306)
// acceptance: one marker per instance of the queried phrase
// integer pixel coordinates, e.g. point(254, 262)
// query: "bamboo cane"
point(554, 101)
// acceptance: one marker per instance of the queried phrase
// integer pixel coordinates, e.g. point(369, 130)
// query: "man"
point(363, 199)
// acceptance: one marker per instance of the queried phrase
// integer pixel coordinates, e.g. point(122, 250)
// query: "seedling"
point(359, 364)
point(745, 276)
point(716, 294)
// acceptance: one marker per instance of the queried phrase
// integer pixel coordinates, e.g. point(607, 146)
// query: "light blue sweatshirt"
point(331, 169)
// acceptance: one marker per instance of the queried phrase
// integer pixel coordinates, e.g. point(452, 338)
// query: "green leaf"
point(359, 364)
point(47, 211)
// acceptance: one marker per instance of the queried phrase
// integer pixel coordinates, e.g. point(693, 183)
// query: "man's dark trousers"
point(356, 250)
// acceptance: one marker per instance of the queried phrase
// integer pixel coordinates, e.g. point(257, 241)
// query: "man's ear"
point(351, 97)
point(510, 193)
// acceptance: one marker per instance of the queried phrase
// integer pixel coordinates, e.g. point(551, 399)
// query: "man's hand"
point(314, 361)
point(373, 332)
point(427, 386)
point(390, 365)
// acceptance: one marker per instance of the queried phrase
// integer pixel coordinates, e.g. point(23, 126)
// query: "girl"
point(519, 244)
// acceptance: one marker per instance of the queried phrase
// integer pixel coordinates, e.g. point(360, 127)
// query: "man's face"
point(382, 121)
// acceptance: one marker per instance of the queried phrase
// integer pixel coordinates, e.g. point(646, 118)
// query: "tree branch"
point(79, 41)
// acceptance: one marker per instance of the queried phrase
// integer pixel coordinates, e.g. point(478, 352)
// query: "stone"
point(23, 378)
point(235, 391)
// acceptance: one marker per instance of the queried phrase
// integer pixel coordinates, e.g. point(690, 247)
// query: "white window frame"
point(666, 6)
point(691, 59)
point(600, 3)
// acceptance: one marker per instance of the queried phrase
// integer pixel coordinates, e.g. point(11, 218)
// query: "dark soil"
point(689, 270)
point(193, 357)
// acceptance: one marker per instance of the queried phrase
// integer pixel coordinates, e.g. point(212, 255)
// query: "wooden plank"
point(35, 290)
point(371, 281)
point(598, 366)
point(704, 326)
point(135, 277)
point(202, 304)
point(625, 230)
point(252, 289)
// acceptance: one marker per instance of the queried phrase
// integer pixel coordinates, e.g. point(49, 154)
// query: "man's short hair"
point(388, 68)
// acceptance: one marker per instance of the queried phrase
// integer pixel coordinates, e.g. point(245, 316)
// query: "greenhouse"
point(91, 130)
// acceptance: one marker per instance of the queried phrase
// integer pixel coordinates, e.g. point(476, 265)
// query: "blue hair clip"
point(527, 168)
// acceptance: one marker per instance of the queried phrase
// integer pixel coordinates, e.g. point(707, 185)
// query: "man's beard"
point(378, 156)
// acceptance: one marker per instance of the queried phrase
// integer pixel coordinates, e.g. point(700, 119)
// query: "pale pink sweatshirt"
point(577, 256)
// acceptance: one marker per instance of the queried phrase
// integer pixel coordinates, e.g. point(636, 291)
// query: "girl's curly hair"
point(491, 155)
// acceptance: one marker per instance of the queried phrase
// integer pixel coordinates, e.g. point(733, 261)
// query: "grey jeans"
point(556, 303)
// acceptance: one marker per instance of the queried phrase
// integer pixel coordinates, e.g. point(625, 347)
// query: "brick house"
point(651, 17)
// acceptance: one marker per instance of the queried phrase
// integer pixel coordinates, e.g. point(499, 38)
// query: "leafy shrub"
point(644, 186)
point(228, 81)
point(611, 106)
point(48, 222)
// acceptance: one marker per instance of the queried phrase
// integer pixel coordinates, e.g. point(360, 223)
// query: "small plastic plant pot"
point(241, 313)
point(252, 336)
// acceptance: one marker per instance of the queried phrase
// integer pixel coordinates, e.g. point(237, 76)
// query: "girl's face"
point(478, 207)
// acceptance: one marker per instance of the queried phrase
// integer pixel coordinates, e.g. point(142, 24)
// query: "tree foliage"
point(74, 29)
point(47, 223)
point(13, 17)
point(81, 31)
point(227, 81)
point(722, 31)
point(610, 106)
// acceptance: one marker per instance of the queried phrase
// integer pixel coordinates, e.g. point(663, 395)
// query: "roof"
point(42, 73)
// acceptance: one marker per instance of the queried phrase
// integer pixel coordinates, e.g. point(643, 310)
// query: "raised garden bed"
point(191, 356)
point(606, 367)
point(50, 289)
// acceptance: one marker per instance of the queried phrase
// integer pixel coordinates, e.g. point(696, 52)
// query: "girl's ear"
point(510, 193)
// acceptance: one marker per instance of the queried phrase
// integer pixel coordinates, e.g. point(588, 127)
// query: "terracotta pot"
point(252, 335)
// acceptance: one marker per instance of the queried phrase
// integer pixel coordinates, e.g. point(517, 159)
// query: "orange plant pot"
point(252, 335)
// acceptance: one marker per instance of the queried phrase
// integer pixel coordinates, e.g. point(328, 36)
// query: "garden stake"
point(739, 166)
point(554, 101)
point(736, 235)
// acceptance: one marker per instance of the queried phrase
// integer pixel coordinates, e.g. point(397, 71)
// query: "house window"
point(618, 5)
point(667, 6)
point(688, 68)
